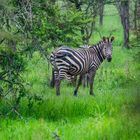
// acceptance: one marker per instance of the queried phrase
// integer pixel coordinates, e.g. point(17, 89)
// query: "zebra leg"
point(57, 83)
point(73, 81)
point(87, 80)
point(52, 83)
point(79, 83)
point(91, 80)
point(84, 81)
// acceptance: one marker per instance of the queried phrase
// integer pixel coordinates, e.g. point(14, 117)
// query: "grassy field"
point(113, 114)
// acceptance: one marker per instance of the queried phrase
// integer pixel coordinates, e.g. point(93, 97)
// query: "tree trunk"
point(135, 16)
point(125, 22)
point(123, 8)
point(138, 20)
point(101, 11)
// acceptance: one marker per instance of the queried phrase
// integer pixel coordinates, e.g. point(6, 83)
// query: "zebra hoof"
point(58, 94)
point(75, 93)
point(92, 94)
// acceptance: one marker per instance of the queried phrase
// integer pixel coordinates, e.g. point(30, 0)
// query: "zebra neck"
point(99, 51)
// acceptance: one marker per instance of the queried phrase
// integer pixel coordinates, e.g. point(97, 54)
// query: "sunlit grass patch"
point(121, 127)
point(113, 113)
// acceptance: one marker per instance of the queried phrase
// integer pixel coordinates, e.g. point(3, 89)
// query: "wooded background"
point(30, 26)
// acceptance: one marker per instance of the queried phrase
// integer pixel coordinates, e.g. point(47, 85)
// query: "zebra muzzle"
point(109, 59)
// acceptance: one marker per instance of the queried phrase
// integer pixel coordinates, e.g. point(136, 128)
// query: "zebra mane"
point(97, 44)
point(85, 46)
point(98, 50)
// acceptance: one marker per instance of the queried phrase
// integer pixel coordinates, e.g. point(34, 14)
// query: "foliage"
point(11, 83)
point(28, 26)
point(24, 90)
point(58, 27)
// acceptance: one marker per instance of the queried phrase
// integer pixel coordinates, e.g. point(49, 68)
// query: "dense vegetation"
point(29, 108)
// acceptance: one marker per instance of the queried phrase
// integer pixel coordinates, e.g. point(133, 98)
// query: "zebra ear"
point(112, 38)
point(104, 38)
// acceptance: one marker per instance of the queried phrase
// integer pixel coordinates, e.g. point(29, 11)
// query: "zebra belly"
point(64, 75)
point(74, 72)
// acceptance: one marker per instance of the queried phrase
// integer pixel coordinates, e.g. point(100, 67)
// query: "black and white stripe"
point(68, 62)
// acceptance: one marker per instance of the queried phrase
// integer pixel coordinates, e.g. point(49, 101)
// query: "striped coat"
point(68, 63)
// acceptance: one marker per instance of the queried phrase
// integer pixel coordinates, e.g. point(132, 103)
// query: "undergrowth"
point(114, 112)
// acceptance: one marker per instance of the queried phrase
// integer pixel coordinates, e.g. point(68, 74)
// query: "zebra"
point(68, 63)
point(84, 78)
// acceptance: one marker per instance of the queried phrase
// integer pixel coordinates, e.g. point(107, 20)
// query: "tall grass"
point(114, 113)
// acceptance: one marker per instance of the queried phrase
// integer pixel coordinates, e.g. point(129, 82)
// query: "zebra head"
point(107, 48)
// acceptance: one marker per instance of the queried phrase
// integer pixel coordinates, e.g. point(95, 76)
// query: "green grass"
point(113, 114)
